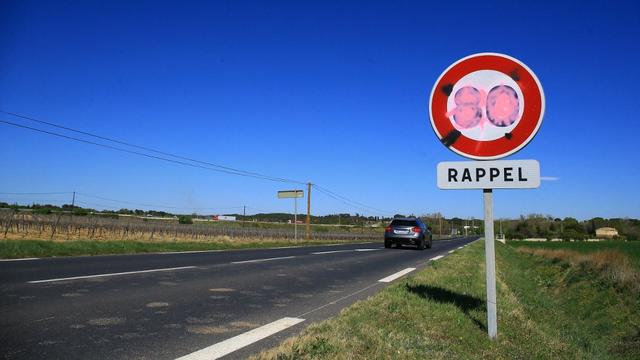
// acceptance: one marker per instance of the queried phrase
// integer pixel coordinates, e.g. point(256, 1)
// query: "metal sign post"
point(295, 194)
point(490, 259)
point(485, 107)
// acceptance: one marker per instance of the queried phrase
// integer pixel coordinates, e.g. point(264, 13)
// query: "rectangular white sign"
point(499, 174)
point(290, 194)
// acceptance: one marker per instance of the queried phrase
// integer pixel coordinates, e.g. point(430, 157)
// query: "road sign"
point(294, 194)
point(500, 174)
point(290, 194)
point(486, 106)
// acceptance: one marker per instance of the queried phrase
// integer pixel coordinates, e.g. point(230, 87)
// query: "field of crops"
point(68, 227)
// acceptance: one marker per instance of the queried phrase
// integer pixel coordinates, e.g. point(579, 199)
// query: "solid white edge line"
point(22, 259)
point(230, 345)
point(330, 252)
point(437, 258)
point(452, 251)
point(392, 277)
point(261, 260)
point(110, 274)
point(187, 252)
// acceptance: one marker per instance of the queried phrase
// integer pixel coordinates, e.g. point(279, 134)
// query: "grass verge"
point(12, 249)
point(629, 248)
point(546, 309)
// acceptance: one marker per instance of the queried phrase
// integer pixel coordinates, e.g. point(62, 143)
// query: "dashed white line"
point(22, 259)
point(110, 274)
point(261, 260)
point(228, 346)
point(368, 249)
point(436, 258)
point(392, 277)
point(452, 251)
point(460, 247)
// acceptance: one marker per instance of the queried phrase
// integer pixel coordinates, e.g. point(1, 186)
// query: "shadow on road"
point(465, 303)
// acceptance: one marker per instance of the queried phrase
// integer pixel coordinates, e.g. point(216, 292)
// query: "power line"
point(216, 167)
point(191, 162)
point(137, 152)
point(156, 205)
point(349, 202)
point(36, 193)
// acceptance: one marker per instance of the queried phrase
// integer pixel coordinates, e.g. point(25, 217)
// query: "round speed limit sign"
point(486, 106)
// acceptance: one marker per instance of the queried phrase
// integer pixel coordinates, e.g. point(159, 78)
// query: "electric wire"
point(210, 166)
point(37, 193)
point(349, 202)
point(156, 205)
point(221, 168)
point(132, 151)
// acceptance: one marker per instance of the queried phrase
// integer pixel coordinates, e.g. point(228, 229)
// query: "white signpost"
point(505, 174)
point(295, 194)
point(485, 107)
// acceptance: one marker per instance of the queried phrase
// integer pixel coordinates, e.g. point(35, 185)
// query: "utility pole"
point(73, 203)
point(244, 214)
point(308, 211)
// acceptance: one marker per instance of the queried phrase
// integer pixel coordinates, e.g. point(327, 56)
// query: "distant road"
point(165, 306)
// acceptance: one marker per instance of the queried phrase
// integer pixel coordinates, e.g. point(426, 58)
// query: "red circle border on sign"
point(504, 146)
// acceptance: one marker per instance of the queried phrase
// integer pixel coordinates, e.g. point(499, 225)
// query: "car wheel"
point(421, 244)
point(387, 244)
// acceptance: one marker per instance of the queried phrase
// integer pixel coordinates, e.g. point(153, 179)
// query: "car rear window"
point(404, 223)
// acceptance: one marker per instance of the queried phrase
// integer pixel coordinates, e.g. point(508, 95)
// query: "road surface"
point(193, 304)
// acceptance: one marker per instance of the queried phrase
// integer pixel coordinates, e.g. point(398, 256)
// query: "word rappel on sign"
point(500, 174)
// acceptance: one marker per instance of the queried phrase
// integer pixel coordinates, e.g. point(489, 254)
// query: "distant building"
point(223, 218)
point(606, 233)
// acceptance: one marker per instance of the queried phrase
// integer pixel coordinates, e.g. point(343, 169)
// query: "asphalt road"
point(164, 306)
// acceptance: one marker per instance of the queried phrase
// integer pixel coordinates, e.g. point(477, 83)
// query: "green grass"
point(12, 249)
point(546, 310)
point(630, 248)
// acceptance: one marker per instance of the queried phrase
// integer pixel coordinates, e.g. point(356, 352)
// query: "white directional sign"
point(500, 174)
point(290, 194)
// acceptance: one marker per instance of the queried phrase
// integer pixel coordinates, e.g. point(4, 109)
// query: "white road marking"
point(22, 259)
point(340, 299)
point(110, 274)
point(228, 346)
point(460, 247)
point(330, 252)
point(436, 258)
point(261, 260)
point(390, 278)
point(281, 247)
point(187, 252)
point(341, 251)
point(452, 251)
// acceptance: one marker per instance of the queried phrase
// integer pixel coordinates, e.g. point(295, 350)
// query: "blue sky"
point(335, 93)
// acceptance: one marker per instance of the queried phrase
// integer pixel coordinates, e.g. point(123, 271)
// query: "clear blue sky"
point(332, 93)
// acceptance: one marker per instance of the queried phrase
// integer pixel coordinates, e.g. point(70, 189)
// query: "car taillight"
point(387, 229)
point(416, 229)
